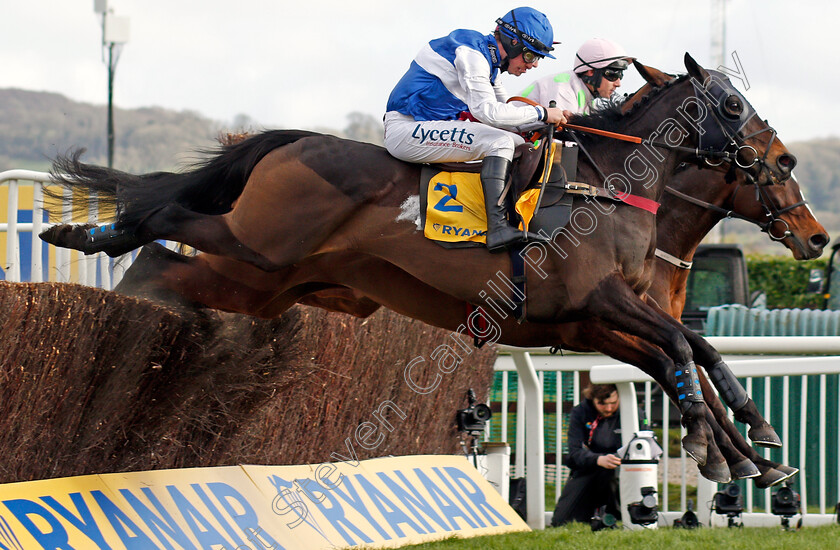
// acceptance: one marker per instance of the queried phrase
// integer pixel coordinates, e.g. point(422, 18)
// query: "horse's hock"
point(93, 381)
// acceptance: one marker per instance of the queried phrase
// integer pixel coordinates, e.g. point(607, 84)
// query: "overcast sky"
point(294, 64)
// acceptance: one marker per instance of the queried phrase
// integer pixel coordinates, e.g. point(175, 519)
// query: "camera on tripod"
point(644, 512)
point(785, 503)
point(729, 503)
point(473, 419)
point(689, 519)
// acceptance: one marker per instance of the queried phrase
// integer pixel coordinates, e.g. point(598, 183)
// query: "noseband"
point(721, 136)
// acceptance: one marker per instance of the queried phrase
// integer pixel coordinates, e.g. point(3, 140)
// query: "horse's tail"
point(209, 187)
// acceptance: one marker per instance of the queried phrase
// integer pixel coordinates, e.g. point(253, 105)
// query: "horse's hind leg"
point(205, 232)
point(165, 276)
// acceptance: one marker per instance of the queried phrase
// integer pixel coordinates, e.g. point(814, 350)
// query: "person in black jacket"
point(594, 437)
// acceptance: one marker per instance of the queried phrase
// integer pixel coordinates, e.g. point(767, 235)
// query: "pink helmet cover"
point(597, 53)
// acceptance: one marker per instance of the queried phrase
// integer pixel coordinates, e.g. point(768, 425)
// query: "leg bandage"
point(733, 394)
point(688, 385)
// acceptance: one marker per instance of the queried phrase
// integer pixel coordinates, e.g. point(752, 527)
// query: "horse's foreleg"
point(654, 362)
point(732, 392)
point(615, 303)
point(771, 473)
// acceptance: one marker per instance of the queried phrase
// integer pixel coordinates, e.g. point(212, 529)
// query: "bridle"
point(722, 137)
point(771, 211)
point(722, 131)
point(721, 140)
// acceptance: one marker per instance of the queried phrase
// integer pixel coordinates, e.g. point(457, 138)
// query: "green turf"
point(581, 537)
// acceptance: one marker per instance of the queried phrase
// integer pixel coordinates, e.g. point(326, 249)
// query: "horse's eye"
point(732, 107)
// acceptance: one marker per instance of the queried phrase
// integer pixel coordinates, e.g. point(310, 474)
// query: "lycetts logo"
point(455, 135)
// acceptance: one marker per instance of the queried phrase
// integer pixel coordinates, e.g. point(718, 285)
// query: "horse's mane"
point(612, 119)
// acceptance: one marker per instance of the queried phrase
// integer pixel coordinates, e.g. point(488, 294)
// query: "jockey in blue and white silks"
point(450, 106)
point(455, 74)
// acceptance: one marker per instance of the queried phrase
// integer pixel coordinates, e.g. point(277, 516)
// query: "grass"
point(673, 496)
point(581, 537)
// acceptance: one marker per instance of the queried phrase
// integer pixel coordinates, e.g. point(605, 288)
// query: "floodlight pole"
point(112, 67)
point(114, 35)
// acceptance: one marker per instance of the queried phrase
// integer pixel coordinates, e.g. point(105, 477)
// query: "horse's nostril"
point(818, 241)
point(786, 162)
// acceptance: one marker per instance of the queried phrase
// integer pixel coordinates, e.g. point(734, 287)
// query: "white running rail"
point(748, 359)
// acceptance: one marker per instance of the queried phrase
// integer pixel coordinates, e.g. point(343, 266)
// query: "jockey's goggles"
point(530, 57)
point(613, 74)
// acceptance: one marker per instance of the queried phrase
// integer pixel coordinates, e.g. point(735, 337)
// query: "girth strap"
point(517, 264)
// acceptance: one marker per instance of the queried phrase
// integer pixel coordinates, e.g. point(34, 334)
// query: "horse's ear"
point(694, 69)
point(652, 76)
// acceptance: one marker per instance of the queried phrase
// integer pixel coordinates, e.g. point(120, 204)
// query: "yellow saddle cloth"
point(454, 208)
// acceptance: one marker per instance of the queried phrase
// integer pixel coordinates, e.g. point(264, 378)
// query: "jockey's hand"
point(557, 115)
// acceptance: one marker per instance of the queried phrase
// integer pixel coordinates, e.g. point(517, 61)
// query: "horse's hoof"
point(718, 472)
point(774, 476)
point(695, 447)
point(764, 436)
point(744, 469)
point(67, 236)
point(789, 470)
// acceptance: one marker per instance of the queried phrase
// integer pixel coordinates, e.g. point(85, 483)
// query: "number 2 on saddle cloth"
point(452, 200)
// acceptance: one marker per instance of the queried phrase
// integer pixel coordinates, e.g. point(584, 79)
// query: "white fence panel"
point(746, 356)
point(96, 270)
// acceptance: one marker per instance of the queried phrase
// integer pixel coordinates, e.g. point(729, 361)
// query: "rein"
point(769, 208)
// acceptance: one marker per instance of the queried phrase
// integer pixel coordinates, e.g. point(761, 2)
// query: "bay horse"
point(695, 200)
point(286, 214)
point(682, 222)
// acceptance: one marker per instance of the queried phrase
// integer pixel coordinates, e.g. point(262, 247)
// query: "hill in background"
point(36, 126)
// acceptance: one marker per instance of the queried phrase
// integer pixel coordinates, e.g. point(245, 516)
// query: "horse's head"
point(741, 187)
point(729, 127)
point(757, 157)
point(782, 212)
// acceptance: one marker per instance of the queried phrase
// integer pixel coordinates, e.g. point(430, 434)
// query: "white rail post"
point(12, 241)
point(535, 439)
point(37, 274)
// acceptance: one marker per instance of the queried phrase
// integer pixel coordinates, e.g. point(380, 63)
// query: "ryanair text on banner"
point(378, 503)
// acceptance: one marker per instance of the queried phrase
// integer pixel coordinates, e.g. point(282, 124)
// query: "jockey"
point(450, 106)
point(598, 69)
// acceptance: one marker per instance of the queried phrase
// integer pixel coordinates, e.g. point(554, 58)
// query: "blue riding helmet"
point(529, 28)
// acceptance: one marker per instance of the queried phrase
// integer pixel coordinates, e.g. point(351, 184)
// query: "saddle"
point(452, 206)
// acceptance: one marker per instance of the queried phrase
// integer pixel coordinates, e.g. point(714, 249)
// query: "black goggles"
point(530, 57)
point(613, 74)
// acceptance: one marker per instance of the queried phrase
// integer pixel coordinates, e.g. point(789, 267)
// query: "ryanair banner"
point(379, 503)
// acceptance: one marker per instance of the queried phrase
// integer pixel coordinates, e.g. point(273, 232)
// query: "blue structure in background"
point(25, 244)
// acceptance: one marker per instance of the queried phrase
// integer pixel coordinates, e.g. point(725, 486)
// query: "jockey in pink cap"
point(598, 68)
